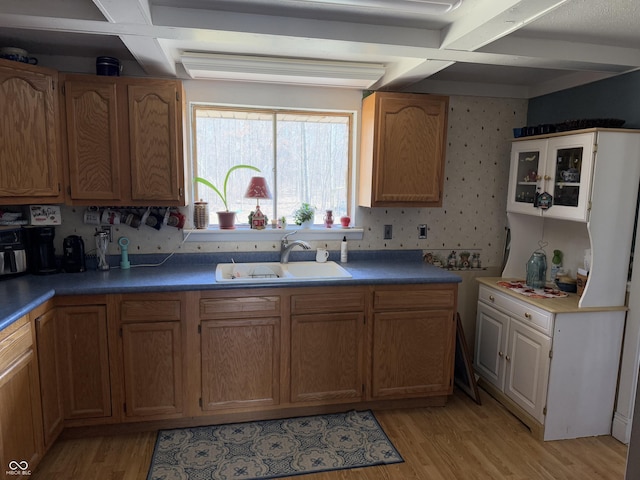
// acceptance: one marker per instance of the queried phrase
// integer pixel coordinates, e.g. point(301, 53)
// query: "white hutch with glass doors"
point(554, 361)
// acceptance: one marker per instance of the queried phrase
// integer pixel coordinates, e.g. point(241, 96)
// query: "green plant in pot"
point(226, 219)
point(304, 215)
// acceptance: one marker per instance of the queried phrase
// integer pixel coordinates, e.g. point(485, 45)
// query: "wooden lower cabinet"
point(224, 354)
point(152, 357)
point(413, 341)
point(50, 381)
point(240, 361)
point(84, 361)
point(327, 345)
point(239, 350)
point(151, 343)
point(21, 444)
point(412, 354)
point(326, 357)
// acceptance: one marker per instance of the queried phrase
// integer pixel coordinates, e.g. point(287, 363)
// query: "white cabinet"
point(600, 206)
point(555, 368)
point(561, 167)
point(511, 354)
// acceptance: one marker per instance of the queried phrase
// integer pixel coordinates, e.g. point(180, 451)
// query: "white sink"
point(273, 272)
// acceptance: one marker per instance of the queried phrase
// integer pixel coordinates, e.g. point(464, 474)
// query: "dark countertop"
point(20, 295)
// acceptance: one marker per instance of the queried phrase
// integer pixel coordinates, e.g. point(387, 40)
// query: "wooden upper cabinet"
point(30, 166)
point(155, 143)
point(92, 138)
point(124, 140)
point(402, 150)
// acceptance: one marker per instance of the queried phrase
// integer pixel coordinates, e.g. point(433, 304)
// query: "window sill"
point(246, 234)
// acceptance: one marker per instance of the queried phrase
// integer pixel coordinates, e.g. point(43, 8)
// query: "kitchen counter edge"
point(22, 294)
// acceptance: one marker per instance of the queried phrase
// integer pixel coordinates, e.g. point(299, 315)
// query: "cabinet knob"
point(500, 354)
point(492, 298)
point(547, 177)
point(507, 358)
point(527, 315)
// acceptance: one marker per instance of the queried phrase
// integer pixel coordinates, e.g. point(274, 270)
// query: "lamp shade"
point(258, 188)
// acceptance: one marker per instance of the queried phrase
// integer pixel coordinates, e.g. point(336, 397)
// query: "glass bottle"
point(537, 270)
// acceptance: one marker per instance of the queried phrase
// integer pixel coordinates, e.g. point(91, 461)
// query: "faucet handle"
point(285, 237)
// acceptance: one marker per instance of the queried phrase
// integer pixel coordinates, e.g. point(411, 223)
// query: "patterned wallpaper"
point(472, 217)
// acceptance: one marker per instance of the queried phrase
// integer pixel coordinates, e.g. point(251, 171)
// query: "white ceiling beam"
point(127, 11)
point(517, 45)
point(150, 55)
point(303, 44)
point(146, 50)
point(184, 18)
point(494, 19)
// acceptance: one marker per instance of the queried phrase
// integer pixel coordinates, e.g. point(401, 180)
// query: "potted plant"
point(226, 219)
point(304, 215)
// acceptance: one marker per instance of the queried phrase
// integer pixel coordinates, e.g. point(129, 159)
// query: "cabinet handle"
point(507, 358)
point(547, 177)
point(527, 315)
point(492, 298)
point(500, 354)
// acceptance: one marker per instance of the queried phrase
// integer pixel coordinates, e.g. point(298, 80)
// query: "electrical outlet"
point(388, 232)
point(422, 231)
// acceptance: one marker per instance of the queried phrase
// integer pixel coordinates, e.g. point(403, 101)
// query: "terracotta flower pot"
point(226, 220)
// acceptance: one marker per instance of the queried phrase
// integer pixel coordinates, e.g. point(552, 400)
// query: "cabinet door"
point(48, 364)
point(152, 368)
point(93, 141)
point(30, 167)
point(403, 150)
point(84, 361)
point(527, 368)
point(155, 141)
point(526, 172)
point(20, 421)
point(412, 353)
point(240, 362)
point(491, 344)
point(570, 168)
point(326, 357)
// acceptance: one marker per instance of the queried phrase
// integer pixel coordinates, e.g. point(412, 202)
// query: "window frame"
point(350, 115)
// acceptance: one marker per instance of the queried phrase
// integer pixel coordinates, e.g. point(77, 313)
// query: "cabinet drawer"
point(526, 313)
point(151, 310)
point(14, 345)
point(239, 307)
point(327, 303)
point(412, 297)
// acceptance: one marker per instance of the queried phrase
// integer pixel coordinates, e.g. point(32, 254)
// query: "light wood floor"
point(459, 441)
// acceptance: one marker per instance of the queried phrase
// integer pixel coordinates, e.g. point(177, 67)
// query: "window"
point(304, 156)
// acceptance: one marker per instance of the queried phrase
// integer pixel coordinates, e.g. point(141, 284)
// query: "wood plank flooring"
point(459, 441)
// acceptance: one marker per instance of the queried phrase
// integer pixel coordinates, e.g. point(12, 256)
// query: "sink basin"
point(273, 272)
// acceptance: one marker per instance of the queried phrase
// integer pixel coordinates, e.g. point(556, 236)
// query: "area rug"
point(272, 449)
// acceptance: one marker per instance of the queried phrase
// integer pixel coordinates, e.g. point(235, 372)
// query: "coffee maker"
point(41, 255)
point(13, 259)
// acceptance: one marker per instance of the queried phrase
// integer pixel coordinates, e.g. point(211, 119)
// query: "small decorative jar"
point(328, 219)
point(200, 214)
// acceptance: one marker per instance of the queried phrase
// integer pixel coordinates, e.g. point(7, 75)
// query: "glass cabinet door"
point(527, 165)
point(570, 165)
point(567, 176)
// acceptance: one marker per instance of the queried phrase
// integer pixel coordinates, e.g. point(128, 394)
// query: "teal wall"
point(617, 97)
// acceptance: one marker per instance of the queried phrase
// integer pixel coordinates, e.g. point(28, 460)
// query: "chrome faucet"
point(286, 247)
